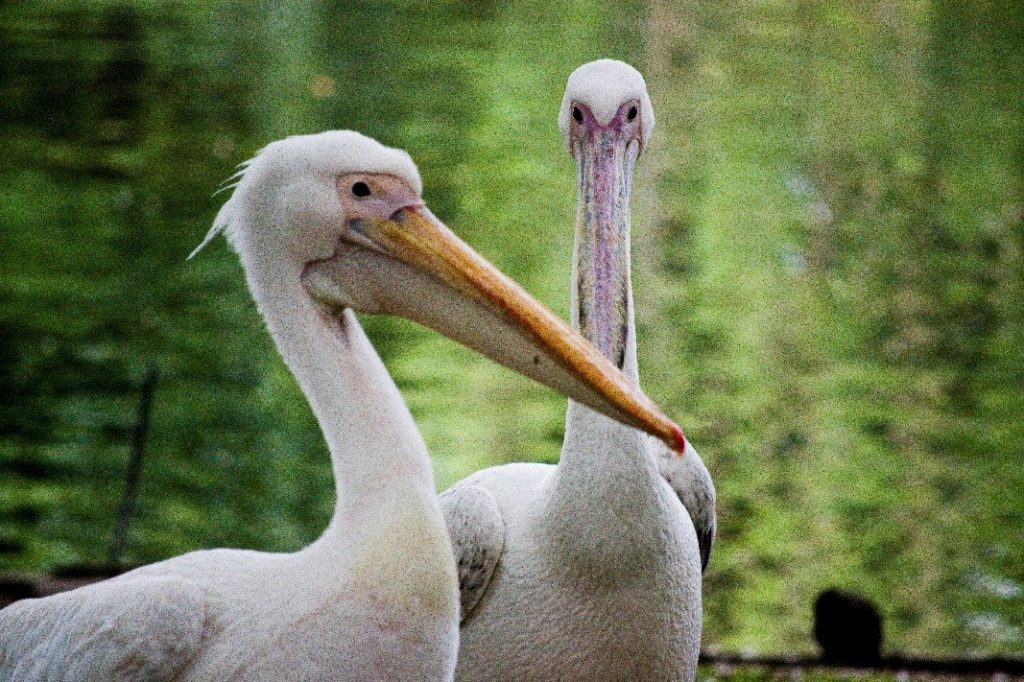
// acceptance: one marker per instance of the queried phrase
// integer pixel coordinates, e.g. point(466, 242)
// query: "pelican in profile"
point(591, 568)
point(326, 225)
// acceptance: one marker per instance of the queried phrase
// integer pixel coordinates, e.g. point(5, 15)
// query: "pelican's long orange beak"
point(422, 271)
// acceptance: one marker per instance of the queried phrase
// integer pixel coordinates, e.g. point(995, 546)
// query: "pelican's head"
point(607, 101)
point(294, 198)
point(339, 217)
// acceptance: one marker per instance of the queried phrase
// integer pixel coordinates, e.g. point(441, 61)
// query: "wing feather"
point(691, 482)
point(477, 532)
point(138, 629)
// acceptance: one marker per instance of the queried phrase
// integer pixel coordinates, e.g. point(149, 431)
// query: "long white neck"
point(379, 459)
point(603, 461)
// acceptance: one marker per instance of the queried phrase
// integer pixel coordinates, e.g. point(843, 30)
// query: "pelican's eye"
point(361, 189)
point(577, 115)
point(632, 113)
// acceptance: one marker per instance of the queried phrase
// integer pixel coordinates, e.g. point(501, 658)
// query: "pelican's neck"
point(379, 459)
point(600, 455)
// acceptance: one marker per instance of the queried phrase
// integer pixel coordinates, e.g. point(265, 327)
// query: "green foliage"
point(844, 263)
point(828, 264)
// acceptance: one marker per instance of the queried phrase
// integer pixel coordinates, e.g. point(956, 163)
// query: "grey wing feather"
point(690, 480)
point(142, 629)
point(477, 532)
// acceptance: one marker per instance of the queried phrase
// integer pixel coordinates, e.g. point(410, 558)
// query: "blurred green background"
point(828, 240)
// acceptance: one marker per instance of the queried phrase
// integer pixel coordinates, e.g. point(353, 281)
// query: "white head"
point(337, 220)
point(606, 94)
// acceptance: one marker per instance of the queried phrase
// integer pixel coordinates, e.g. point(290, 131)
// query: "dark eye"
point(577, 116)
point(361, 189)
point(632, 113)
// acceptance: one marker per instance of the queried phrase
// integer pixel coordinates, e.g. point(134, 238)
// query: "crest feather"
point(225, 215)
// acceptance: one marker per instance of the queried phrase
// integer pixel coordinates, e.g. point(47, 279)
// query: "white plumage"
point(325, 224)
point(590, 569)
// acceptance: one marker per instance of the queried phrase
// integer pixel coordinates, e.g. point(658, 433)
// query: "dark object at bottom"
point(848, 628)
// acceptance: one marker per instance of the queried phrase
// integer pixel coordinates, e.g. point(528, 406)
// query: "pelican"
point(591, 568)
point(325, 225)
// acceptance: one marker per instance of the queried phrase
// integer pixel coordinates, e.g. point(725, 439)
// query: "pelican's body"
point(589, 569)
point(324, 224)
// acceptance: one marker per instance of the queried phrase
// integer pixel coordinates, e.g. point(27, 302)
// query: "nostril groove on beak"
point(398, 216)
